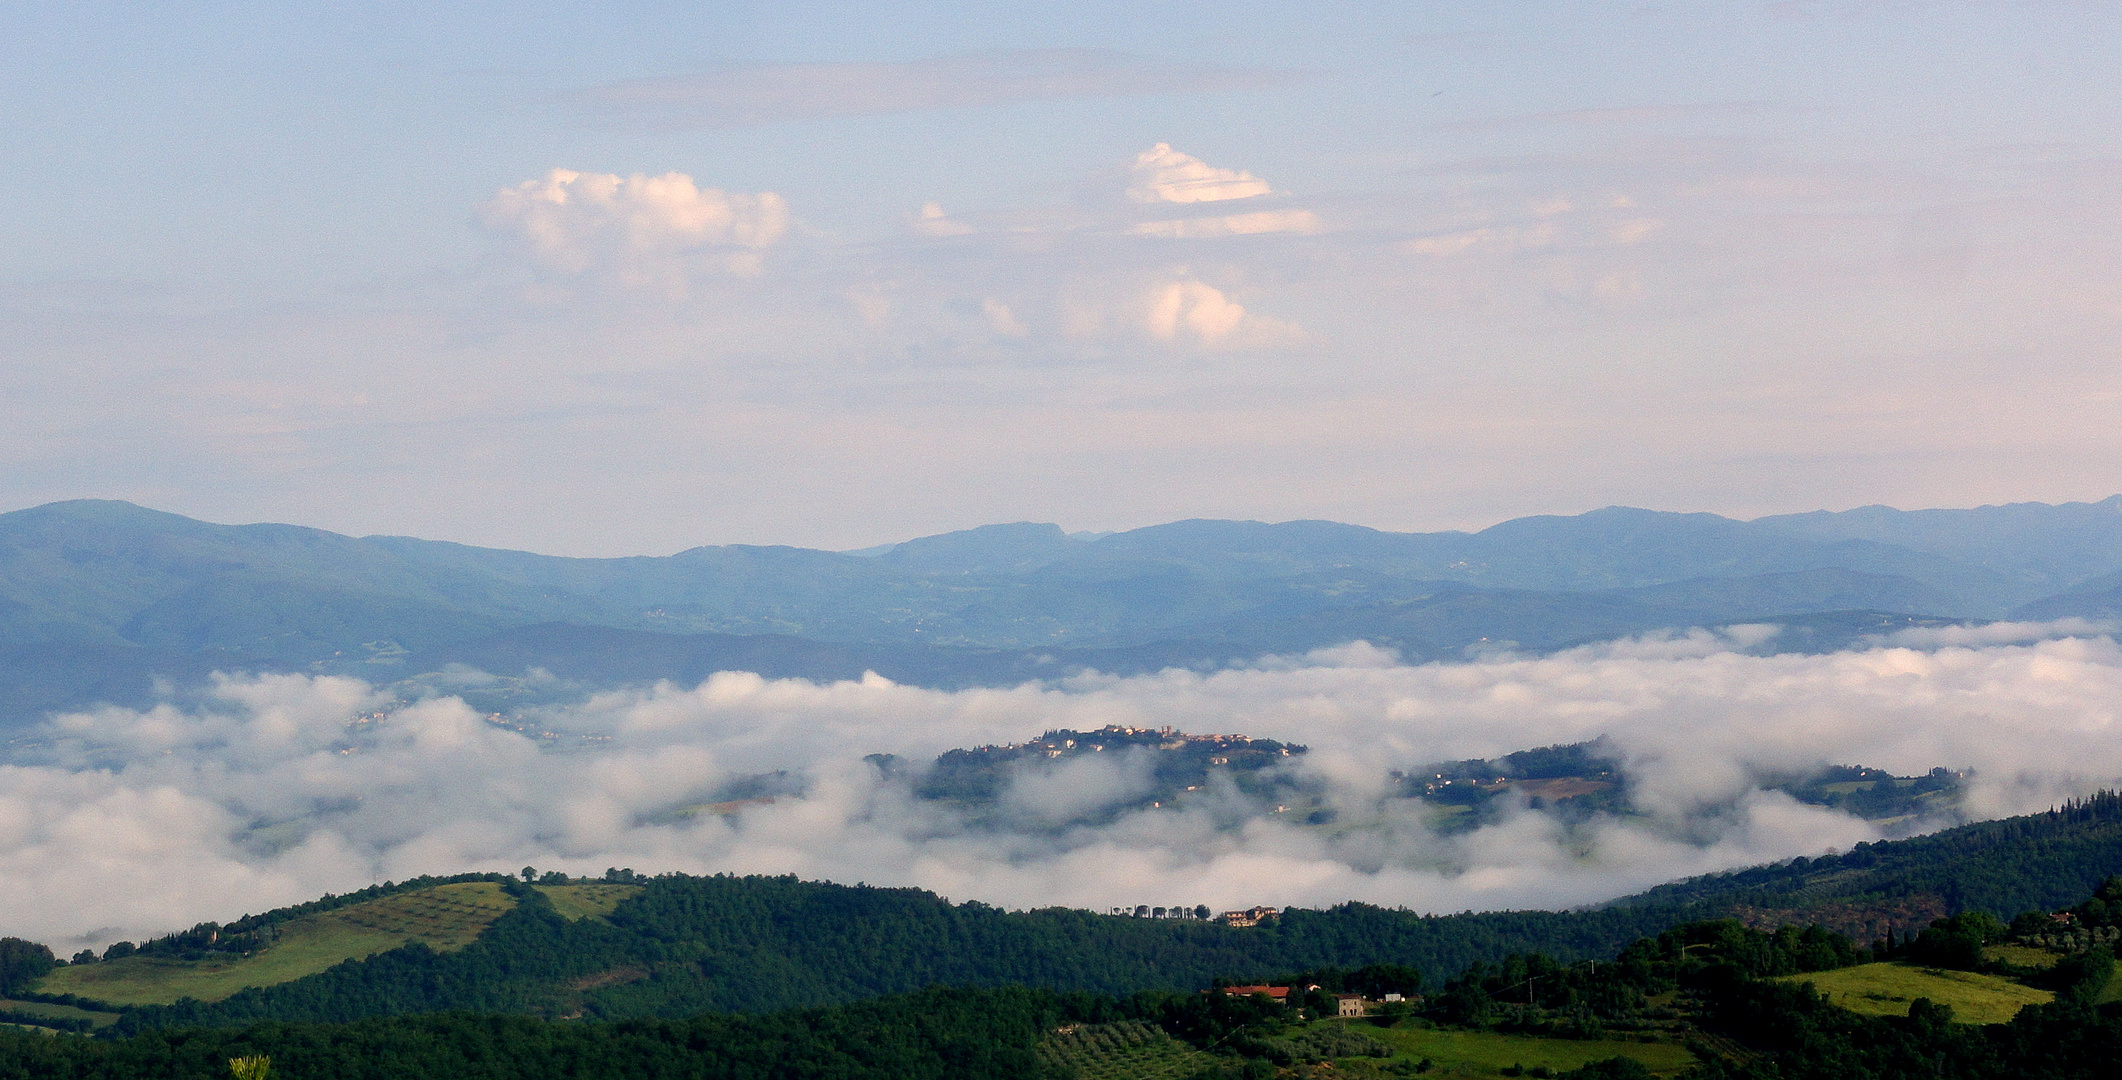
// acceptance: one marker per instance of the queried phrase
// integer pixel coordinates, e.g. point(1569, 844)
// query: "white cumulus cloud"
point(1195, 313)
point(647, 230)
point(1161, 174)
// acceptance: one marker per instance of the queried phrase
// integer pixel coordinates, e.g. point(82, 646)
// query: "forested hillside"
point(936, 1035)
point(2039, 862)
point(686, 945)
point(1707, 1000)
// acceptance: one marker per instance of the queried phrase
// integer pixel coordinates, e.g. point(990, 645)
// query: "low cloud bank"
point(272, 790)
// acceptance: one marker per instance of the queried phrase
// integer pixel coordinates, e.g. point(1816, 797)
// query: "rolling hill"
point(676, 945)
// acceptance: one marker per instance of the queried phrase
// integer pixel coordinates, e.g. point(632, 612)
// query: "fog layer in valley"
point(267, 791)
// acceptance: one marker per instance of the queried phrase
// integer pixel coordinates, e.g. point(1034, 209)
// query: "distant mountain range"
point(98, 599)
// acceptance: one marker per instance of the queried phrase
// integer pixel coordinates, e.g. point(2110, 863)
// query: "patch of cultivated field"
point(1128, 1050)
point(1131, 1050)
point(1887, 990)
point(1485, 1053)
point(445, 918)
point(590, 901)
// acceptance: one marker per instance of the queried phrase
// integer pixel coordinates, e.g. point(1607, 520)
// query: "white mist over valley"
point(267, 790)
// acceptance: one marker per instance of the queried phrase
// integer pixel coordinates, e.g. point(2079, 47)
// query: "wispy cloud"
point(774, 93)
point(1162, 176)
point(1614, 116)
point(1253, 224)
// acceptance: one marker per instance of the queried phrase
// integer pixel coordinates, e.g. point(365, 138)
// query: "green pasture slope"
point(48, 1015)
point(1887, 989)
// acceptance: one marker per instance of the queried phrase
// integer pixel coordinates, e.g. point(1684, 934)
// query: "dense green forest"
point(949, 1034)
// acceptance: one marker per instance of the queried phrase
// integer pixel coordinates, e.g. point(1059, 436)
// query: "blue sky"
point(841, 274)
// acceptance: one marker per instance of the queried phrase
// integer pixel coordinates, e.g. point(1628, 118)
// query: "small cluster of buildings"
point(1144, 911)
point(1252, 916)
point(1249, 917)
point(1344, 1004)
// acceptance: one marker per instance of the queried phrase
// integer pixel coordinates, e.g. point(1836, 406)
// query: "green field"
point(2027, 956)
point(1887, 989)
point(591, 901)
point(1483, 1053)
point(445, 917)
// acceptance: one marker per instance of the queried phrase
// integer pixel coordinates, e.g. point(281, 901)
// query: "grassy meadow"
point(1485, 1053)
point(1887, 989)
point(445, 917)
point(59, 1012)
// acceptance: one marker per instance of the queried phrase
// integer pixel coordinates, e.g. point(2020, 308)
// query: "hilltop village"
point(1218, 749)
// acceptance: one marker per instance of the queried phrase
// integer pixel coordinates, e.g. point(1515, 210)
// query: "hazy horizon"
point(1076, 532)
point(567, 279)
